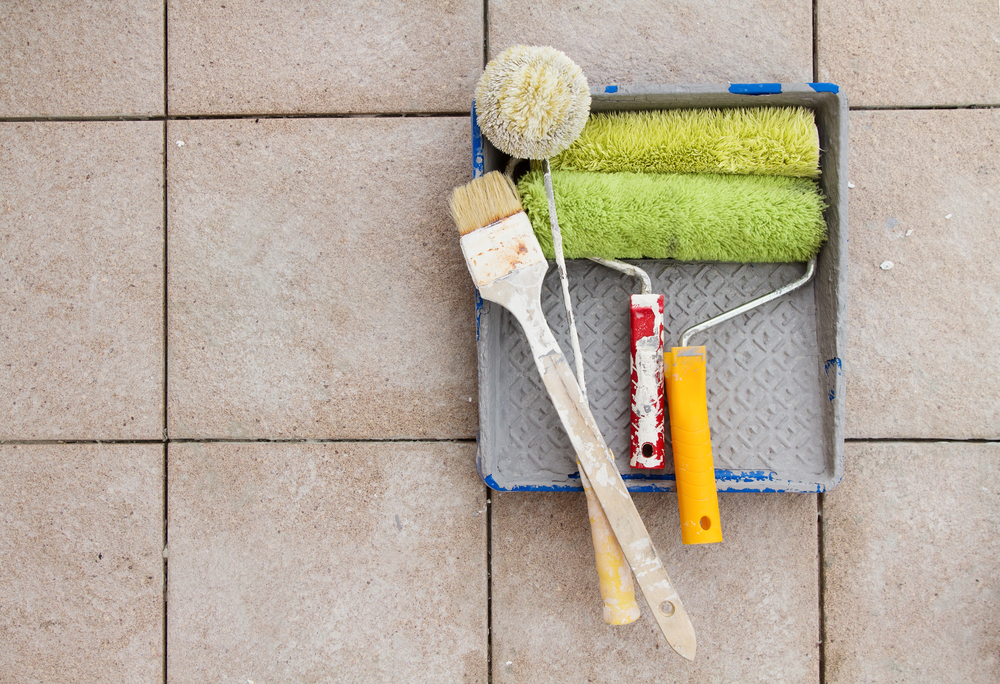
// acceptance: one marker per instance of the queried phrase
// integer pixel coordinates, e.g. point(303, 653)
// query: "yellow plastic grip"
point(697, 496)
point(613, 572)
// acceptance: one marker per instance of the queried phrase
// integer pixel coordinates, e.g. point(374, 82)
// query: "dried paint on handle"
point(647, 381)
point(613, 572)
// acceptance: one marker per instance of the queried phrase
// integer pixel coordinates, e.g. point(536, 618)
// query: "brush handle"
point(520, 292)
point(697, 495)
point(646, 318)
point(613, 572)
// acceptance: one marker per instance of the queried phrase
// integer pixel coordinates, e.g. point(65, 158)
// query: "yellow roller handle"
point(697, 496)
point(613, 571)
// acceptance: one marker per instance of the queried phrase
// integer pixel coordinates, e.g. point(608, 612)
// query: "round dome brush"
point(532, 103)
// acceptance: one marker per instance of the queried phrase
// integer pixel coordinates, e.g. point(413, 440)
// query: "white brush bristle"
point(485, 200)
point(532, 102)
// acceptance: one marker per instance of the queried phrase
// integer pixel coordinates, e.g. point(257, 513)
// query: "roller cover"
point(772, 141)
point(697, 496)
point(690, 217)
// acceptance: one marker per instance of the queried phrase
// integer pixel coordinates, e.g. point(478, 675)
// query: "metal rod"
point(726, 315)
point(628, 269)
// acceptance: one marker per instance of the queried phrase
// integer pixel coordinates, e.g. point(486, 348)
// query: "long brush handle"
point(520, 293)
point(613, 572)
point(574, 338)
point(599, 464)
point(697, 495)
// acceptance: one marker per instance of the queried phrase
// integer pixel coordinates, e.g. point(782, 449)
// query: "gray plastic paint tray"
point(775, 376)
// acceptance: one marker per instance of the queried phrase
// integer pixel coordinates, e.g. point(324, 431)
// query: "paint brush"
point(532, 103)
point(508, 267)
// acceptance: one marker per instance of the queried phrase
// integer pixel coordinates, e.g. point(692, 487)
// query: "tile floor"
point(237, 361)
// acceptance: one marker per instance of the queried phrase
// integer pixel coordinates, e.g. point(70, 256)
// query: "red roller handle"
point(647, 381)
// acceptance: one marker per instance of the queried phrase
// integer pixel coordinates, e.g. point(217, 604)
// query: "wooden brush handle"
point(509, 270)
point(697, 495)
point(613, 572)
point(599, 465)
point(520, 292)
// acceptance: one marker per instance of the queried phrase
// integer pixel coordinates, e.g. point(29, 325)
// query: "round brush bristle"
point(532, 102)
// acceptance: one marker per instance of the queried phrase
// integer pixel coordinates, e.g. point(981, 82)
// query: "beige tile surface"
point(81, 280)
point(81, 58)
point(236, 56)
point(316, 286)
point(81, 564)
point(905, 52)
point(326, 562)
point(911, 541)
point(643, 42)
point(753, 599)
point(921, 336)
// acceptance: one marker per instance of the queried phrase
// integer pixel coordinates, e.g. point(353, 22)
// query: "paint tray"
point(775, 377)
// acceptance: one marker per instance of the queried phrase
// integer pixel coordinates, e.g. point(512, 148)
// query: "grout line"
point(815, 41)
point(413, 440)
point(166, 337)
point(225, 440)
point(308, 440)
point(230, 117)
point(822, 589)
point(320, 115)
point(166, 546)
point(398, 115)
point(909, 108)
point(489, 585)
point(46, 442)
point(917, 440)
point(75, 119)
point(486, 32)
point(489, 492)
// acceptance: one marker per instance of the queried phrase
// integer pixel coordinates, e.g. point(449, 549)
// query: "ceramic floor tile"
point(81, 263)
point(317, 288)
point(81, 563)
point(905, 53)
point(642, 42)
point(246, 57)
point(921, 358)
point(753, 599)
point(912, 586)
point(317, 562)
point(81, 59)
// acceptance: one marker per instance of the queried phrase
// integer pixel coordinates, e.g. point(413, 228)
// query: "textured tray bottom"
point(765, 385)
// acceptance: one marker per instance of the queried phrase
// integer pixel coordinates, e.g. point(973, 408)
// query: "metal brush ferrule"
point(501, 248)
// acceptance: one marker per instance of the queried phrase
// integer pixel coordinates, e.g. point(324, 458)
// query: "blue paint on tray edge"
point(755, 88)
point(478, 160)
point(478, 166)
point(836, 363)
point(665, 483)
point(825, 87)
